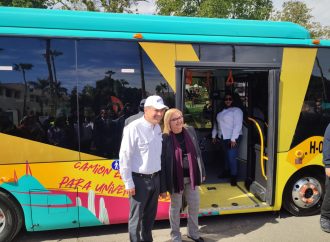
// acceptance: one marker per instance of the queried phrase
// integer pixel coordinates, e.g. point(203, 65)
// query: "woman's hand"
point(214, 140)
point(233, 144)
point(327, 171)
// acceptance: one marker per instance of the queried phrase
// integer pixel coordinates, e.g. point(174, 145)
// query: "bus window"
point(237, 53)
point(113, 78)
point(40, 88)
point(258, 54)
point(315, 111)
point(198, 106)
point(216, 53)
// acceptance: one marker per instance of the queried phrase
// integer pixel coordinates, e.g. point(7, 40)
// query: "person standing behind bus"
point(182, 172)
point(228, 128)
point(325, 209)
point(139, 165)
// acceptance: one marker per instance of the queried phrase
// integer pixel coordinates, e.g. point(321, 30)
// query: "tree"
point(123, 82)
point(243, 9)
point(24, 3)
point(43, 86)
point(294, 11)
point(298, 12)
point(319, 31)
point(23, 67)
point(250, 9)
point(178, 7)
point(53, 54)
point(117, 6)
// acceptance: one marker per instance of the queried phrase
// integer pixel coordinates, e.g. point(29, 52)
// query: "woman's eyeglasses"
point(176, 119)
point(228, 99)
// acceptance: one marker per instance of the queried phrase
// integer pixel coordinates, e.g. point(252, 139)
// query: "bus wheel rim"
point(2, 220)
point(306, 192)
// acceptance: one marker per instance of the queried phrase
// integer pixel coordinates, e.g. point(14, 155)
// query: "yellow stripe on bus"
point(164, 55)
point(296, 71)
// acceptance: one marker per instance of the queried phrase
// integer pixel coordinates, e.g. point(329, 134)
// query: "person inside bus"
point(36, 130)
point(119, 124)
point(6, 125)
point(101, 133)
point(86, 127)
point(58, 133)
point(228, 128)
point(230, 88)
point(140, 165)
point(137, 115)
point(207, 111)
point(325, 208)
point(182, 172)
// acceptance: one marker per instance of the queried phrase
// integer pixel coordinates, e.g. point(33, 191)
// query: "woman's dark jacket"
point(167, 177)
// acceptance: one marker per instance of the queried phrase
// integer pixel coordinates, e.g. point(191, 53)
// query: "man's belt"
point(145, 175)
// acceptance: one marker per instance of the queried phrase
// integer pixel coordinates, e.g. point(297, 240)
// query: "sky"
point(320, 9)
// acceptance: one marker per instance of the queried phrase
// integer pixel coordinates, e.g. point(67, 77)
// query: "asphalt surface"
point(256, 227)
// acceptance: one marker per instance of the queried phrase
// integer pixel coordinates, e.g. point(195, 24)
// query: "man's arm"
point(215, 128)
point(125, 160)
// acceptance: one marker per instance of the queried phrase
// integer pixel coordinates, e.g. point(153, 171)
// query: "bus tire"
point(11, 218)
point(303, 194)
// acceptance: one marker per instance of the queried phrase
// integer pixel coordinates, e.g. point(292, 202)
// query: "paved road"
point(257, 227)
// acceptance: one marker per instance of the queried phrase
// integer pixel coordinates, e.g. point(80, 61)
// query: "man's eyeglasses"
point(176, 119)
point(228, 99)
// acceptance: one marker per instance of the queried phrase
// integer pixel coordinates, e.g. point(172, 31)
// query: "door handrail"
point(262, 156)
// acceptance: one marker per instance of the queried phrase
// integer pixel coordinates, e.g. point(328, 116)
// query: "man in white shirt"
point(140, 164)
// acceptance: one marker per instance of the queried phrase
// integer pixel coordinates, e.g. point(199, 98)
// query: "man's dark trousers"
point(325, 209)
point(143, 208)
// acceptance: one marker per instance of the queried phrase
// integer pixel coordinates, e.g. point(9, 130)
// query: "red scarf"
point(192, 160)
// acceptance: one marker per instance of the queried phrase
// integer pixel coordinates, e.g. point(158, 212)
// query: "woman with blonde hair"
point(182, 172)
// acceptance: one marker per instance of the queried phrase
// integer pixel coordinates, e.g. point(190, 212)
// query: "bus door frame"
point(273, 103)
point(273, 93)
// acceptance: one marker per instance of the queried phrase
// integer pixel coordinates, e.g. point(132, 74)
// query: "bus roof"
point(65, 23)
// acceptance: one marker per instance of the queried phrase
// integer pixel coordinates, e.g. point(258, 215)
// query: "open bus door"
point(265, 151)
point(199, 94)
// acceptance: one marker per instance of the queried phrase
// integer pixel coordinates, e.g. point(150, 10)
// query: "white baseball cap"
point(155, 102)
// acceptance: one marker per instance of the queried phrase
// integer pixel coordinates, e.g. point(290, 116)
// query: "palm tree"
point(50, 60)
point(23, 67)
point(59, 90)
point(54, 53)
point(158, 89)
point(110, 73)
point(143, 84)
point(43, 85)
point(123, 82)
point(161, 87)
point(165, 87)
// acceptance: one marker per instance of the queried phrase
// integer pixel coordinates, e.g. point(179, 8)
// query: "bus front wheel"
point(11, 218)
point(303, 194)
